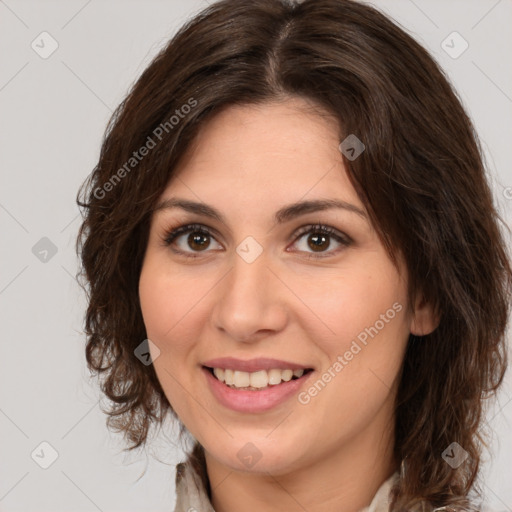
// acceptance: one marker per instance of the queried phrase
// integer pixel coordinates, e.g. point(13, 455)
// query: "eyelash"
point(172, 234)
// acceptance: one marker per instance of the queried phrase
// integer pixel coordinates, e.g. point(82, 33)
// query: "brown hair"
point(421, 179)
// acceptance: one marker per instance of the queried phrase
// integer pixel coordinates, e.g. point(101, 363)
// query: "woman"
point(291, 247)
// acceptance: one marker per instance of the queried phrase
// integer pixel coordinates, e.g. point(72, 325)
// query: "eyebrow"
point(284, 214)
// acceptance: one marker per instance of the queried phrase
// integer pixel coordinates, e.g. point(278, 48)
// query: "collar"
point(192, 488)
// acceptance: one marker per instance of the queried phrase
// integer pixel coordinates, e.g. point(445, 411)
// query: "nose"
point(250, 301)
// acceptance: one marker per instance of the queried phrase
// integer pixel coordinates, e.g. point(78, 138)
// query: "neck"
point(345, 479)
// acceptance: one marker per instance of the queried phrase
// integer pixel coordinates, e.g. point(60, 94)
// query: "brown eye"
point(318, 242)
point(318, 239)
point(198, 241)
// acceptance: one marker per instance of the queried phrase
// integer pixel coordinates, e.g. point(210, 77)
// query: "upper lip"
point(253, 365)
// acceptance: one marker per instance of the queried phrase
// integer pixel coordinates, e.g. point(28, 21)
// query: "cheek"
point(166, 304)
point(173, 305)
point(362, 363)
point(156, 301)
point(348, 304)
point(163, 298)
point(363, 335)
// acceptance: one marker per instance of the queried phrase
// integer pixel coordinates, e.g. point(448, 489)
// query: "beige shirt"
point(192, 496)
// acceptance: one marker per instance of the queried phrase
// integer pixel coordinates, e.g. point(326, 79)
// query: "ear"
point(425, 318)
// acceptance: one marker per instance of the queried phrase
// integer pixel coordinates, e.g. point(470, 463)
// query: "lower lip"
point(253, 401)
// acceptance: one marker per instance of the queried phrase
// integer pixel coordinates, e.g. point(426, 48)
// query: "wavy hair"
point(422, 179)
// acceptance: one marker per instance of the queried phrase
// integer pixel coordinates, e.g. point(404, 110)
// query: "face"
point(295, 303)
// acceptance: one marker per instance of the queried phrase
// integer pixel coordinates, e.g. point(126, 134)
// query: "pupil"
point(319, 242)
point(198, 241)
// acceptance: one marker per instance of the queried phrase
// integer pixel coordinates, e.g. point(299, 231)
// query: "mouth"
point(258, 380)
point(255, 385)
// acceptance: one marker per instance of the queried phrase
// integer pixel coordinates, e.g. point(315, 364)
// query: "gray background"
point(53, 113)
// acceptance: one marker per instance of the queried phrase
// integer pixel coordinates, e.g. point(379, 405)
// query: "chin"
point(259, 454)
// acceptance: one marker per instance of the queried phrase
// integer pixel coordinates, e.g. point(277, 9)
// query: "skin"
point(334, 452)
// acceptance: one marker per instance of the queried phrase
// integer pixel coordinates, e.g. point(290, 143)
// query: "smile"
point(255, 381)
point(256, 390)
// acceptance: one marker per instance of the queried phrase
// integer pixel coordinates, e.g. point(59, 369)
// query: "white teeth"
point(228, 377)
point(255, 380)
point(287, 375)
point(259, 379)
point(274, 377)
point(219, 373)
point(241, 379)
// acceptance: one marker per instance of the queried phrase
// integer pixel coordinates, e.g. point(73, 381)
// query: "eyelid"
point(171, 233)
point(321, 227)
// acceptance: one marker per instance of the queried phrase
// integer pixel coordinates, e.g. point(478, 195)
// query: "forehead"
point(287, 149)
